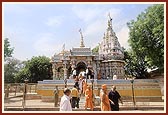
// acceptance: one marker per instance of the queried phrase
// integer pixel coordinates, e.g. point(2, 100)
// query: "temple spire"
point(82, 42)
point(63, 49)
point(110, 21)
point(110, 17)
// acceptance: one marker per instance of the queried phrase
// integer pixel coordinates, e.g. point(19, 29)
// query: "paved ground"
point(15, 104)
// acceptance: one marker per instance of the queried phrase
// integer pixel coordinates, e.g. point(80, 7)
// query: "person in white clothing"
point(65, 104)
point(87, 73)
point(74, 73)
point(80, 85)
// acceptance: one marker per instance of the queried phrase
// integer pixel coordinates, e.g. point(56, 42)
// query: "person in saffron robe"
point(89, 98)
point(84, 83)
point(105, 104)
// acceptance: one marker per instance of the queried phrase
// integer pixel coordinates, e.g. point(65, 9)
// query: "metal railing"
point(19, 87)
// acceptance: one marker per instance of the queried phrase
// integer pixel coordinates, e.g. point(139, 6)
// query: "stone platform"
point(144, 89)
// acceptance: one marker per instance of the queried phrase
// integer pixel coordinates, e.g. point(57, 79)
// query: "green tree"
point(146, 38)
point(96, 49)
point(8, 51)
point(36, 69)
point(11, 67)
point(134, 65)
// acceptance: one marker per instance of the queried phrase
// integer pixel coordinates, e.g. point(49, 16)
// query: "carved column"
point(57, 74)
point(122, 70)
point(89, 63)
point(65, 68)
point(54, 71)
point(65, 73)
point(73, 66)
point(104, 70)
point(97, 69)
point(107, 69)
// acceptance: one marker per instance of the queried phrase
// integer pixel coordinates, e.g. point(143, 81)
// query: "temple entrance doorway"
point(69, 72)
point(81, 67)
point(60, 73)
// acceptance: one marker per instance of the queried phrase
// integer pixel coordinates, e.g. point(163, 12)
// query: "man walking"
point(75, 95)
point(65, 104)
point(114, 96)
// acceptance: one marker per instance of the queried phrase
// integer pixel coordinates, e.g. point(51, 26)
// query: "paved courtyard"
point(15, 104)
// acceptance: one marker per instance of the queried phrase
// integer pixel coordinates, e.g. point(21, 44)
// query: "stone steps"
point(125, 108)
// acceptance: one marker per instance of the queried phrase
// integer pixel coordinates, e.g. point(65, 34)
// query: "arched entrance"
point(60, 73)
point(81, 66)
point(69, 72)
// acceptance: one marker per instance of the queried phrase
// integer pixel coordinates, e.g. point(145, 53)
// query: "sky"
point(42, 29)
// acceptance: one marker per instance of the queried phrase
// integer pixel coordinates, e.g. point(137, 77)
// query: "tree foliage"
point(36, 69)
point(96, 49)
point(135, 66)
point(8, 51)
point(11, 67)
point(146, 38)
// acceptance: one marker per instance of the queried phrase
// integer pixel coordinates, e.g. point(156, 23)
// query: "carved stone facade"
point(108, 62)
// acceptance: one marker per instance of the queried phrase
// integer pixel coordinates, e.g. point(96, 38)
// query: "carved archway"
point(81, 66)
point(60, 72)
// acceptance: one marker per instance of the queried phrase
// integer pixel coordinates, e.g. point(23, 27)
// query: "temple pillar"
point(65, 73)
point(54, 71)
point(107, 69)
point(95, 68)
point(104, 70)
point(98, 70)
point(89, 63)
point(73, 64)
point(54, 74)
point(57, 74)
point(65, 69)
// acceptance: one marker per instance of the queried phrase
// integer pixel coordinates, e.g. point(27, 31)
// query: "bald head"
point(113, 88)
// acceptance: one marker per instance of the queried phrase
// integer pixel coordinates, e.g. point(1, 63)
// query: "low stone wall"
point(147, 89)
point(31, 96)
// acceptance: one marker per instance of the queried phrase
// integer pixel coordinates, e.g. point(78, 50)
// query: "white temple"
point(105, 64)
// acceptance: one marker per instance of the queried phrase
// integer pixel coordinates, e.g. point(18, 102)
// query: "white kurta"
point(80, 84)
point(74, 72)
point(65, 104)
point(87, 71)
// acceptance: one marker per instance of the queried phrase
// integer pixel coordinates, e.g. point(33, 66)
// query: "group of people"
point(88, 74)
point(80, 87)
point(109, 100)
point(71, 98)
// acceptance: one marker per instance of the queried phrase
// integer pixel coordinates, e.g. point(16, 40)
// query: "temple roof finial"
point(63, 49)
point(82, 42)
point(110, 17)
point(110, 20)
